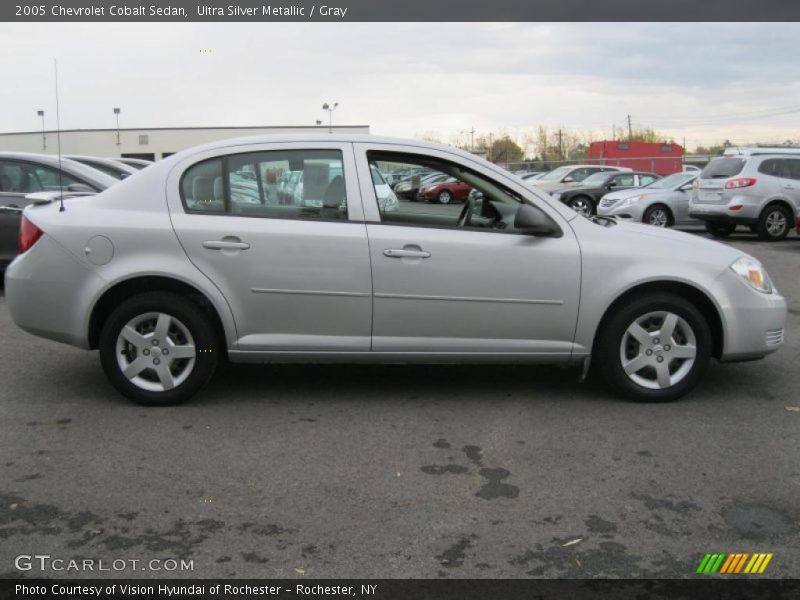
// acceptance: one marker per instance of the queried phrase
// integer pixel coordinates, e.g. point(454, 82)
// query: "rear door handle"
point(225, 245)
point(403, 253)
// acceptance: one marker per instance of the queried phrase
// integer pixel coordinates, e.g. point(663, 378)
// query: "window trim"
point(421, 159)
point(225, 168)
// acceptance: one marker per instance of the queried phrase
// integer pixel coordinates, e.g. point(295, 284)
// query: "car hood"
point(662, 241)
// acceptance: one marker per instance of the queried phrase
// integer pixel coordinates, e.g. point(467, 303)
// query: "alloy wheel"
point(658, 350)
point(155, 351)
point(776, 223)
point(445, 197)
point(658, 218)
point(581, 206)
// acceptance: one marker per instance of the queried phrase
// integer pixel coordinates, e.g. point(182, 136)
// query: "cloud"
point(405, 78)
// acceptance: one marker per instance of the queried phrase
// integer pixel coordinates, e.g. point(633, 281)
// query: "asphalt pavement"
point(401, 471)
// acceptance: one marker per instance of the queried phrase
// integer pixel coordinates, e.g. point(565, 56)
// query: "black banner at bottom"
point(401, 589)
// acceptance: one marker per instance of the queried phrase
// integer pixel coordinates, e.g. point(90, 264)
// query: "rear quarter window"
point(725, 167)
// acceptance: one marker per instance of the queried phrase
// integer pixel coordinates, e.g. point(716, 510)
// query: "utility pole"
point(630, 129)
point(44, 135)
point(614, 132)
point(560, 145)
point(472, 139)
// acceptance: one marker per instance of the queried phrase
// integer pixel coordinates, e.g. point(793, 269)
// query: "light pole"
point(116, 112)
point(330, 110)
point(44, 137)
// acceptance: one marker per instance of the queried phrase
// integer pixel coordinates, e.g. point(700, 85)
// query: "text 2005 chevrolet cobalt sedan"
point(199, 257)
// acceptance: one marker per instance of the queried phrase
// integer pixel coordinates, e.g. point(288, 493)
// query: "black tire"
point(652, 212)
point(608, 349)
point(579, 203)
point(191, 316)
point(445, 197)
point(772, 217)
point(719, 230)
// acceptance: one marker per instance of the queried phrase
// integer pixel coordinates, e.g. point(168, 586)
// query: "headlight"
point(753, 274)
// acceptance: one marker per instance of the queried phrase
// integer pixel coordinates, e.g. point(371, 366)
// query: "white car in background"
point(568, 175)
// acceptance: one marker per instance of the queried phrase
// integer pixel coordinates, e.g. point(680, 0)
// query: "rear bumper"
point(747, 213)
point(48, 293)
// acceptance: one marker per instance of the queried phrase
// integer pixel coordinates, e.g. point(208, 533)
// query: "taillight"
point(29, 234)
point(740, 182)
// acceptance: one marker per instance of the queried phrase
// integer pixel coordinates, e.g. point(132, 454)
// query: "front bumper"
point(753, 323)
point(622, 211)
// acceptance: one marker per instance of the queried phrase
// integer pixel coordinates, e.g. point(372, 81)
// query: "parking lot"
point(403, 471)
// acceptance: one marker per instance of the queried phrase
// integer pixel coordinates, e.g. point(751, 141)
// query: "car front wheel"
point(582, 205)
point(445, 197)
point(658, 215)
point(158, 348)
point(655, 348)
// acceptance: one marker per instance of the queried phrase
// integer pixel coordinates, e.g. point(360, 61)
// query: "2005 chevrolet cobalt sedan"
point(176, 267)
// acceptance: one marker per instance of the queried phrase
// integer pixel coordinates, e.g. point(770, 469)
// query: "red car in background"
point(445, 192)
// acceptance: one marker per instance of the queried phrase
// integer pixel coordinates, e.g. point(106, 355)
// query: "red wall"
point(660, 158)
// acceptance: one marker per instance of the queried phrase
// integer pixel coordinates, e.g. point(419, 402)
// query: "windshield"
point(556, 174)
point(673, 181)
point(597, 180)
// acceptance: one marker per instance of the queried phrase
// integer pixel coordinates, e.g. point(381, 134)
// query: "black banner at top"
point(399, 10)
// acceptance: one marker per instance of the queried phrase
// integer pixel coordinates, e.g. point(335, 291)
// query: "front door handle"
point(225, 245)
point(403, 253)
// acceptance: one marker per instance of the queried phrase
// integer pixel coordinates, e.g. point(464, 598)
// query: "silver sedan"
point(663, 203)
point(167, 272)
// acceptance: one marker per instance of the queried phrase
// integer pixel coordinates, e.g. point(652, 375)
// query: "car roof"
point(737, 151)
point(104, 161)
point(82, 171)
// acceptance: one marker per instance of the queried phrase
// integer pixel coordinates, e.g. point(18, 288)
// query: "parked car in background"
point(663, 203)
point(175, 278)
point(583, 197)
point(444, 192)
point(569, 174)
point(114, 168)
point(757, 187)
point(22, 174)
point(136, 163)
point(530, 175)
point(409, 188)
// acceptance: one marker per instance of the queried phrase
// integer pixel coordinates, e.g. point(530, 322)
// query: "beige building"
point(148, 143)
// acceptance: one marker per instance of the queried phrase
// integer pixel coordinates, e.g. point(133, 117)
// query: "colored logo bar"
point(735, 563)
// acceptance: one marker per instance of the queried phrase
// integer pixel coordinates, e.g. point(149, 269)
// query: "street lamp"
point(116, 112)
point(44, 137)
point(330, 110)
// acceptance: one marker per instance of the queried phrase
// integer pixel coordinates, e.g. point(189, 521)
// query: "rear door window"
point(776, 167)
point(794, 168)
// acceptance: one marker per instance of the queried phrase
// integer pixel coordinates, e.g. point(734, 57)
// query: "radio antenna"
point(58, 139)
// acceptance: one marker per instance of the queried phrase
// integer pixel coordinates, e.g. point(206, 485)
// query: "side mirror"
point(568, 179)
point(79, 187)
point(686, 188)
point(534, 221)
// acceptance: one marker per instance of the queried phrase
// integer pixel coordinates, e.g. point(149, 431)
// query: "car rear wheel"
point(658, 215)
point(158, 348)
point(719, 230)
point(582, 205)
point(774, 223)
point(655, 348)
point(445, 197)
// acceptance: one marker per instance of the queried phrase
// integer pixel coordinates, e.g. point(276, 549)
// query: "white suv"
point(757, 187)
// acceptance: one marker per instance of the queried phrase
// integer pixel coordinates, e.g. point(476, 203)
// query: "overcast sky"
point(704, 82)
